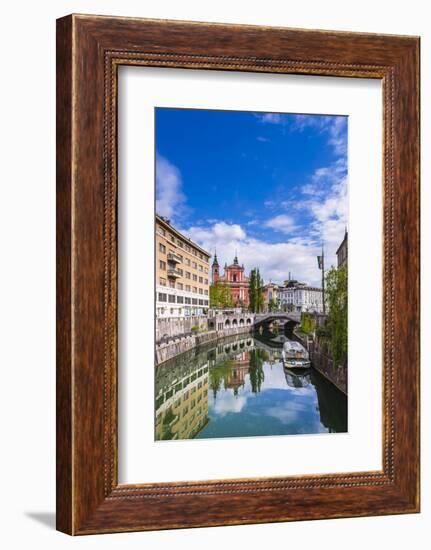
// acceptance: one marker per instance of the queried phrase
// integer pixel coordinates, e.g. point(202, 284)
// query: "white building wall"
point(186, 307)
point(302, 298)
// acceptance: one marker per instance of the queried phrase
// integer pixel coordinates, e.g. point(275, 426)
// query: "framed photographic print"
point(237, 274)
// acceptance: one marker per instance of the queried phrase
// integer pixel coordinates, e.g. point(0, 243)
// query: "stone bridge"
point(224, 321)
point(278, 316)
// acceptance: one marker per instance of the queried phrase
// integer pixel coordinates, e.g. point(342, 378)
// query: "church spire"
point(235, 260)
point(215, 268)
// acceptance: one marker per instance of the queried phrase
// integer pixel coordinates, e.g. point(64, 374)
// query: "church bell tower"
point(215, 269)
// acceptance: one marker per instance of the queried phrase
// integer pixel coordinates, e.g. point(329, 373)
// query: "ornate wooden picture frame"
point(89, 51)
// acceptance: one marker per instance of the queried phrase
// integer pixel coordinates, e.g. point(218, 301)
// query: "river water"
point(238, 388)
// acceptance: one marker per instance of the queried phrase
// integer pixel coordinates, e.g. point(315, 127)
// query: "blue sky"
point(271, 186)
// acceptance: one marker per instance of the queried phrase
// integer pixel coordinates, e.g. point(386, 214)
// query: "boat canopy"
point(291, 345)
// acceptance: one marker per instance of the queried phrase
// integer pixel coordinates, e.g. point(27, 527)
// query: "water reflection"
point(239, 388)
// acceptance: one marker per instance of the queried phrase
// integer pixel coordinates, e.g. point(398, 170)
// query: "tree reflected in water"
point(238, 387)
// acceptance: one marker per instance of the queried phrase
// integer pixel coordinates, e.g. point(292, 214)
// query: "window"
point(206, 292)
point(187, 261)
point(194, 265)
point(162, 264)
point(180, 244)
point(205, 302)
point(201, 291)
point(180, 286)
point(172, 284)
point(201, 280)
point(162, 281)
point(201, 302)
point(206, 281)
point(195, 289)
point(188, 275)
point(172, 238)
point(162, 248)
point(188, 288)
point(162, 297)
point(195, 277)
point(161, 231)
point(180, 271)
point(171, 298)
point(180, 300)
point(201, 268)
point(194, 302)
point(188, 300)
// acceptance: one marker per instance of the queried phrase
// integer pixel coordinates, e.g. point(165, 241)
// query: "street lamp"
point(321, 264)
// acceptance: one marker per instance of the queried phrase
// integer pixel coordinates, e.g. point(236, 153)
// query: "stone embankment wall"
point(169, 328)
point(179, 345)
point(322, 362)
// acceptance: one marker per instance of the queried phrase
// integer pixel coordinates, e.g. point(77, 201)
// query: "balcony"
point(172, 257)
point(175, 273)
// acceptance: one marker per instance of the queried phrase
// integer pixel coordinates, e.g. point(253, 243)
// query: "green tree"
point(218, 374)
point(220, 295)
point(307, 323)
point(336, 296)
point(255, 291)
point(272, 305)
point(255, 370)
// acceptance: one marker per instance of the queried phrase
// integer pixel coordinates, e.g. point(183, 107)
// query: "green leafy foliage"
point(218, 374)
point(255, 370)
point(220, 295)
point(272, 305)
point(336, 296)
point(255, 291)
point(307, 323)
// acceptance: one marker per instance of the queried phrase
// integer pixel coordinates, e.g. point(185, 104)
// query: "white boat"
point(295, 356)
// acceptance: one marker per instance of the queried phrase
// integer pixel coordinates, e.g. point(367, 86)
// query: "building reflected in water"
point(182, 407)
point(238, 387)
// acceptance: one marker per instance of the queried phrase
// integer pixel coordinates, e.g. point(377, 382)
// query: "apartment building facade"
point(342, 252)
point(182, 274)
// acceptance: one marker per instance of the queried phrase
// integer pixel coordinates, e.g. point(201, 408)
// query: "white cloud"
point(327, 203)
point(170, 200)
point(270, 118)
point(325, 207)
point(227, 402)
point(282, 222)
point(275, 260)
point(334, 126)
point(338, 135)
